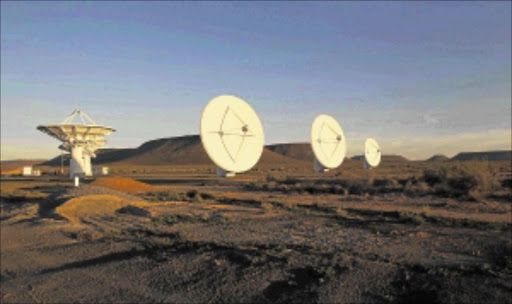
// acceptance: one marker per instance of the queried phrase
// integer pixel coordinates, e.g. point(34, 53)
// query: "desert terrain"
point(162, 228)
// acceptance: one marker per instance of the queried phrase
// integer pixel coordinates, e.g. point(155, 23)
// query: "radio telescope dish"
point(328, 143)
point(371, 153)
point(81, 139)
point(231, 134)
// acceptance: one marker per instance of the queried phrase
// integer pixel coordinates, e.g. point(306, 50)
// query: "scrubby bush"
point(507, 183)
point(433, 177)
point(164, 196)
point(170, 219)
point(267, 206)
point(386, 183)
point(192, 194)
point(462, 178)
point(290, 180)
point(416, 187)
point(207, 196)
point(357, 187)
point(270, 178)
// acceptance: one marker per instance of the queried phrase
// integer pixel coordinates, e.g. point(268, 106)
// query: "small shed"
point(100, 171)
point(27, 171)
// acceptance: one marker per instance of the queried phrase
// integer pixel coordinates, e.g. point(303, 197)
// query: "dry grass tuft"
point(124, 184)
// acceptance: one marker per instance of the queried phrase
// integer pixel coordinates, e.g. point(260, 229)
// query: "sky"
point(422, 78)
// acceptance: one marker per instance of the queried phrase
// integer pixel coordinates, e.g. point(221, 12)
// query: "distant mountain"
point(21, 162)
point(15, 166)
point(487, 155)
point(385, 158)
point(102, 156)
point(303, 152)
point(438, 158)
point(188, 150)
point(184, 150)
point(299, 151)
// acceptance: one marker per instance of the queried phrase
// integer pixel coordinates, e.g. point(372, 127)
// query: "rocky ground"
point(215, 242)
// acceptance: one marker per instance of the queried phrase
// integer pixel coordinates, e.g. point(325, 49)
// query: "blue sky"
point(420, 77)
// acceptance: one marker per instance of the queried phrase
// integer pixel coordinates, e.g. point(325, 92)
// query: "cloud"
point(430, 119)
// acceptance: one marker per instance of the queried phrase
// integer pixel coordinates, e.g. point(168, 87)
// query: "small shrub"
point(170, 219)
point(192, 194)
point(289, 205)
point(195, 196)
point(271, 185)
point(433, 177)
point(423, 187)
point(507, 183)
point(426, 211)
point(442, 189)
point(267, 206)
point(413, 218)
point(164, 196)
point(327, 272)
point(356, 187)
point(290, 180)
point(206, 196)
point(462, 178)
point(312, 189)
point(383, 182)
point(416, 188)
point(133, 210)
point(342, 213)
point(284, 188)
point(463, 185)
point(270, 178)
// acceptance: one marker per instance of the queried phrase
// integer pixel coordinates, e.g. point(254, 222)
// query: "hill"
point(303, 152)
point(298, 151)
point(438, 158)
point(486, 155)
point(103, 156)
point(184, 150)
point(14, 166)
point(385, 158)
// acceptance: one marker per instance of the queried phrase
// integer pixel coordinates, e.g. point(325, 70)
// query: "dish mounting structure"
point(80, 139)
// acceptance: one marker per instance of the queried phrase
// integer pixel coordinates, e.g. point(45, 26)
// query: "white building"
point(27, 171)
point(100, 171)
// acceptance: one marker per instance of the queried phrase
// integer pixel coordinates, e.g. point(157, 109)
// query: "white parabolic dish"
point(328, 141)
point(231, 133)
point(372, 152)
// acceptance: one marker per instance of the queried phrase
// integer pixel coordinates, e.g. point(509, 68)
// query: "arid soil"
point(260, 241)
